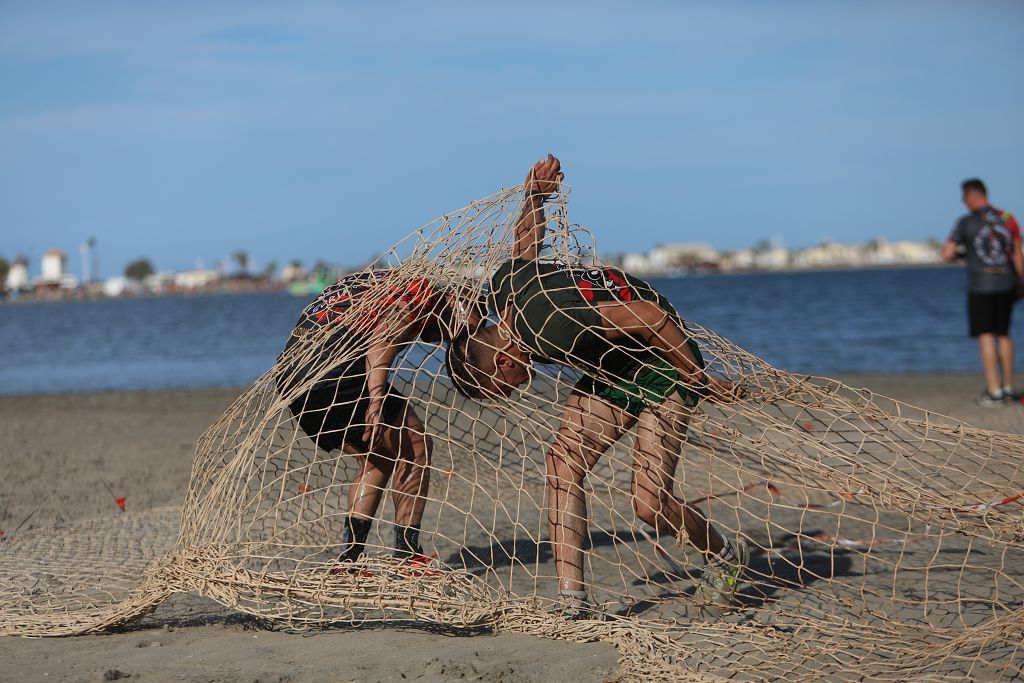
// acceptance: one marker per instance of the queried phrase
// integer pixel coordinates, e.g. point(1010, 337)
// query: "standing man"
point(989, 240)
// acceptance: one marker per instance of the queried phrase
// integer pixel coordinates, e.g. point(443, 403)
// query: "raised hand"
point(544, 177)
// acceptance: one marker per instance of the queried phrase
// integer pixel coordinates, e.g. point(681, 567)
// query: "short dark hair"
point(974, 185)
point(465, 362)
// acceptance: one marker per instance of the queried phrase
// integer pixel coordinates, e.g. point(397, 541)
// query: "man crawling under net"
point(368, 319)
point(639, 366)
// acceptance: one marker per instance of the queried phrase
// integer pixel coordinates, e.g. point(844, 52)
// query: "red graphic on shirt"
point(625, 293)
point(417, 295)
point(609, 280)
point(586, 289)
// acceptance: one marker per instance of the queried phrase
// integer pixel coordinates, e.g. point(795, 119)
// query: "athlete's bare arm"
point(386, 340)
point(949, 251)
point(648, 321)
point(541, 181)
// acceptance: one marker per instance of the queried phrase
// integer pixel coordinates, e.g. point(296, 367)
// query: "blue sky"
point(183, 131)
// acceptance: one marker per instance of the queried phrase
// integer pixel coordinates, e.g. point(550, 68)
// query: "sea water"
point(870, 321)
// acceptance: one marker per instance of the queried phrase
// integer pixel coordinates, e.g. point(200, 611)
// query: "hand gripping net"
point(885, 540)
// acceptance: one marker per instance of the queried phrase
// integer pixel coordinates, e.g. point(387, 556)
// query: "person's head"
point(975, 195)
point(482, 364)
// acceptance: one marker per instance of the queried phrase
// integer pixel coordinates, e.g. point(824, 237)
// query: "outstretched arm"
point(949, 251)
point(541, 181)
point(387, 339)
point(648, 321)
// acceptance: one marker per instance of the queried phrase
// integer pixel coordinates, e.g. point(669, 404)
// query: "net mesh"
point(885, 540)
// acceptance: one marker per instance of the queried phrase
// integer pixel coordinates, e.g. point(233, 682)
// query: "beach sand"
point(66, 458)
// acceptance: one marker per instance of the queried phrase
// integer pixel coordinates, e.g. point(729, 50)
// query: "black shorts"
point(990, 313)
point(333, 412)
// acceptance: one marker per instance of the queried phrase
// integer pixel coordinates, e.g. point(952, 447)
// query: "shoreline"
point(74, 296)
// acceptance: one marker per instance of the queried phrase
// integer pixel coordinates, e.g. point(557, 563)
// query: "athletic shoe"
point(989, 400)
point(576, 608)
point(1010, 395)
point(419, 565)
point(718, 584)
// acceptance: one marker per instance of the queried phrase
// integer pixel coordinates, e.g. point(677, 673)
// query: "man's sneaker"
point(417, 565)
point(718, 582)
point(1010, 395)
point(989, 400)
point(575, 606)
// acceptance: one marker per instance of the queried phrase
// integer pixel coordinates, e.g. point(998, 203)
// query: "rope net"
point(884, 541)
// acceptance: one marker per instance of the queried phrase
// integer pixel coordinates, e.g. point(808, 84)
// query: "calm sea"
point(881, 321)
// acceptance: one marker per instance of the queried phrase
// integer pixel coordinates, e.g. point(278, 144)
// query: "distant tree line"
point(139, 269)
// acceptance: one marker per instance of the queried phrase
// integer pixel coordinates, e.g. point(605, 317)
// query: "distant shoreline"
point(791, 271)
point(76, 297)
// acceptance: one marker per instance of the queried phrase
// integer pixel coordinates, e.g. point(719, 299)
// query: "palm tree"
point(241, 257)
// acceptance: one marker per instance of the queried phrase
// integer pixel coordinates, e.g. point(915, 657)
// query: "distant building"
point(53, 274)
point(54, 262)
point(672, 258)
point(120, 286)
point(293, 272)
point(773, 258)
point(196, 279)
point(17, 276)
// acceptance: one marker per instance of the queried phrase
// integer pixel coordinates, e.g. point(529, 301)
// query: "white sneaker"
point(989, 400)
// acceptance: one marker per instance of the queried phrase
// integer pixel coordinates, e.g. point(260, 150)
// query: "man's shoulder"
point(969, 217)
point(1008, 219)
point(964, 223)
point(507, 268)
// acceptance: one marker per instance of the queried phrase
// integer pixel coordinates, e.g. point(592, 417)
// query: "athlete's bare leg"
point(589, 426)
point(989, 362)
point(661, 431)
point(365, 489)
point(411, 482)
point(403, 451)
point(1005, 351)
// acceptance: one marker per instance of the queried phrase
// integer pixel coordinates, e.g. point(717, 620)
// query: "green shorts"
point(651, 386)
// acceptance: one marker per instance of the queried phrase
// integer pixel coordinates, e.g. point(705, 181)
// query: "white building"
point(774, 258)
point(636, 263)
point(829, 255)
point(886, 253)
point(668, 258)
point(54, 262)
point(293, 272)
point(196, 279)
point(120, 285)
point(17, 276)
point(739, 260)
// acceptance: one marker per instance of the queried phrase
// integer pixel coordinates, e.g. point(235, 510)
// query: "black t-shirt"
point(350, 330)
point(555, 316)
point(988, 235)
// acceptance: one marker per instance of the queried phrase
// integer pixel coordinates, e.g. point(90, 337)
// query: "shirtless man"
point(640, 367)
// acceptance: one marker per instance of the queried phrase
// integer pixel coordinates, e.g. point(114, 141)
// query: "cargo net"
point(884, 541)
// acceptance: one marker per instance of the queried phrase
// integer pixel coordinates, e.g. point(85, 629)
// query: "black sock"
point(353, 538)
point(407, 541)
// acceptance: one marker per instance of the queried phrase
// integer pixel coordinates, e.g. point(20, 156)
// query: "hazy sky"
point(187, 130)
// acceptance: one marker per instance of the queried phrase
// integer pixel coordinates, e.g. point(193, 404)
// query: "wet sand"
point(67, 458)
